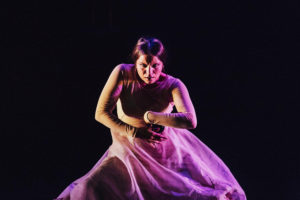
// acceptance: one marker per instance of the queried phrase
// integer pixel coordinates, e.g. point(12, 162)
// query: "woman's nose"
point(148, 71)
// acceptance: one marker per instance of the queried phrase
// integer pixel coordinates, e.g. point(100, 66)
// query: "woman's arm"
point(184, 118)
point(107, 102)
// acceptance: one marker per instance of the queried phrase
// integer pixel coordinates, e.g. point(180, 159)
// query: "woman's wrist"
point(148, 117)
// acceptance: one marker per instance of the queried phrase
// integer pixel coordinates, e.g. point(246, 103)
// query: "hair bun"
point(149, 46)
point(142, 40)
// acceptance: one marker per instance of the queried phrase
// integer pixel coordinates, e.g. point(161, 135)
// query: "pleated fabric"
point(182, 167)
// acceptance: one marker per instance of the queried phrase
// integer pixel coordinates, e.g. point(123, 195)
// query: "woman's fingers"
point(158, 136)
point(153, 145)
point(154, 141)
point(150, 135)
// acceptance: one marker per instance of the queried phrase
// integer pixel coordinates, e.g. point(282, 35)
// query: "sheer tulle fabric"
point(181, 167)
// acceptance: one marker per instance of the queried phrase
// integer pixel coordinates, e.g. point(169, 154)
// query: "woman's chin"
point(149, 81)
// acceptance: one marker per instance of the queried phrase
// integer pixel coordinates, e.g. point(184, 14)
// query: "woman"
point(153, 155)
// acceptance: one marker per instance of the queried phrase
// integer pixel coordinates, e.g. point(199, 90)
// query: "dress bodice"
point(137, 98)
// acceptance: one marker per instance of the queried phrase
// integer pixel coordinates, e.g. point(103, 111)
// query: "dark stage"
point(235, 57)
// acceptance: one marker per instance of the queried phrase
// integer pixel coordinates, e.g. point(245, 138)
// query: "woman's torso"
point(136, 98)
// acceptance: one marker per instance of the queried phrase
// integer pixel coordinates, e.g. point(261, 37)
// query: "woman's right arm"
point(107, 102)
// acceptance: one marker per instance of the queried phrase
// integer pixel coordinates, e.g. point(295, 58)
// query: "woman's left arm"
point(185, 116)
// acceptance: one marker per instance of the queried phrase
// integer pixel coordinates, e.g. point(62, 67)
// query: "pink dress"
point(180, 168)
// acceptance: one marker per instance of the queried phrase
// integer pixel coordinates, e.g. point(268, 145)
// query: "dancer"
point(153, 154)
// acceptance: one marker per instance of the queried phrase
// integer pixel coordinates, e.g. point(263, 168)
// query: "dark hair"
point(149, 46)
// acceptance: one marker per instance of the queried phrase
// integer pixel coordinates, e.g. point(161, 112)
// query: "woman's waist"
point(133, 121)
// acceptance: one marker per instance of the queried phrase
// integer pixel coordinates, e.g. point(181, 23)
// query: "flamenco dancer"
point(153, 154)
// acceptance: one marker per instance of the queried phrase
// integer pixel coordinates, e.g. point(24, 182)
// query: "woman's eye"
point(144, 65)
point(154, 66)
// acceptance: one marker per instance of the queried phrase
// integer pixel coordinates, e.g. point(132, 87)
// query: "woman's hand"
point(150, 136)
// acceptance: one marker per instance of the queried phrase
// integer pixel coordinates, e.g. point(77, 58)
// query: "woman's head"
point(149, 57)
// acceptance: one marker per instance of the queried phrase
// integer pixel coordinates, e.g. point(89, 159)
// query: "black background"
point(237, 58)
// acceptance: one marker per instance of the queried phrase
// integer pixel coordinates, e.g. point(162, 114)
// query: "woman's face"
point(149, 68)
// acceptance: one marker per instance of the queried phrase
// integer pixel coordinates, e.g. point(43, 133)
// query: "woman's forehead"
point(148, 59)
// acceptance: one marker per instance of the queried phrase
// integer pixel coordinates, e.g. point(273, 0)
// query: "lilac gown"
point(180, 168)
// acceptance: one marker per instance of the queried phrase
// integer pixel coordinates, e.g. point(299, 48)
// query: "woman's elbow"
point(191, 121)
point(192, 124)
point(99, 116)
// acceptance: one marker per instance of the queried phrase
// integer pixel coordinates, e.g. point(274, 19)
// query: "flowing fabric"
point(179, 168)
